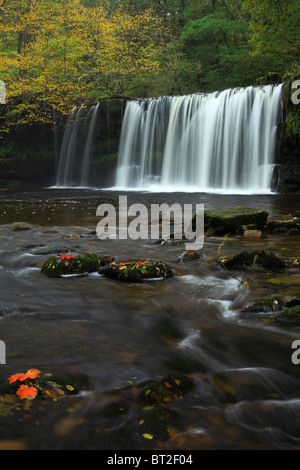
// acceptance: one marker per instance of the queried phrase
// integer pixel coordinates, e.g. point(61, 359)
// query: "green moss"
point(57, 266)
point(290, 316)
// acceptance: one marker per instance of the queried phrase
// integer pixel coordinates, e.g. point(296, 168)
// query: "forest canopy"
point(57, 54)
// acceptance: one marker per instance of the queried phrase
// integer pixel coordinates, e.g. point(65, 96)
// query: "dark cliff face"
point(29, 155)
point(287, 171)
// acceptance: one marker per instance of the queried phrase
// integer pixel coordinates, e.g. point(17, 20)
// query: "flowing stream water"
point(121, 338)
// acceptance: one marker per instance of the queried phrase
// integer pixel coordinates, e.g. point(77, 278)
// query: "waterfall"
point(223, 141)
point(75, 160)
point(88, 147)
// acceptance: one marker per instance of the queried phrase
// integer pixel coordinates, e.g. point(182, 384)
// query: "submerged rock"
point(251, 258)
point(232, 220)
point(69, 265)
point(137, 270)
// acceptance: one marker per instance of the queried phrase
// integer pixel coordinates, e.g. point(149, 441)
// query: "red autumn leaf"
point(15, 377)
point(67, 256)
point(26, 392)
point(32, 373)
point(140, 263)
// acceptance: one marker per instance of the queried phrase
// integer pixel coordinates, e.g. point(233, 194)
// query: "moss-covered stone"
point(251, 258)
point(69, 265)
point(137, 270)
point(263, 305)
point(232, 219)
point(283, 225)
point(290, 316)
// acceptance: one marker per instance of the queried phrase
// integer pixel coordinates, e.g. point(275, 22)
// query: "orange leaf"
point(16, 377)
point(32, 373)
point(26, 392)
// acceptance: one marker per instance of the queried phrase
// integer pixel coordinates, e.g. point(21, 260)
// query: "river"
point(120, 340)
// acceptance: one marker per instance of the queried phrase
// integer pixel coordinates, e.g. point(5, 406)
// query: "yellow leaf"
point(147, 436)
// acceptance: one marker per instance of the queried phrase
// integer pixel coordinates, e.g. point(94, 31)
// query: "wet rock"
point(69, 265)
point(232, 219)
point(292, 302)
point(292, 262)
point(251, 258)
point(168, 389)
point(290, 225)
point(290, 316)
point(19, 227)
point(106, 259)
point(253, 233)
point(137, 270)
point(189, 256)
point(263, 306)
point(170, 242)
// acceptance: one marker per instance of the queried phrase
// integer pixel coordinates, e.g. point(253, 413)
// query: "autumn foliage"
point(57, 54)
point(25, 390)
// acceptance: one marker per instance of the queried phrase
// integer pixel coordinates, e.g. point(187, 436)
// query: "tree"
point(275, 30)
point(63, 53)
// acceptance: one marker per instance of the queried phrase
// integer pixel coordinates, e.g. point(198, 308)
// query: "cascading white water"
point(205, 142)
point(74, 164)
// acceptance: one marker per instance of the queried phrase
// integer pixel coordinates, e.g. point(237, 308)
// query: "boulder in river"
point(263, 306)
point(289, 316)
point(137, 270)
point(70, 265)
point(252, 258)
point(289, 225)
point(232, 219)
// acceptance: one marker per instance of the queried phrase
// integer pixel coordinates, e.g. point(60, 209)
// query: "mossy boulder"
point(289, 225)
point(251, 258)
point(232, 219)
point(69, 265)
point(137, 270)
point(263, 306)
point(290, 316)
